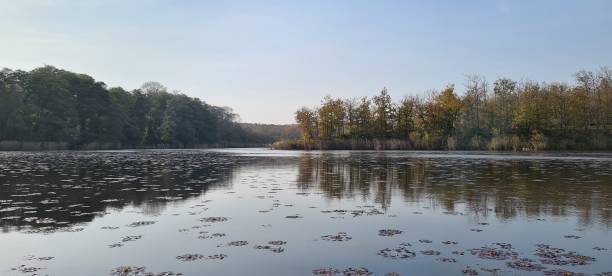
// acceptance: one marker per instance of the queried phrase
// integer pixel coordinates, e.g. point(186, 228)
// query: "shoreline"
point(405, 145)
point(64, 146)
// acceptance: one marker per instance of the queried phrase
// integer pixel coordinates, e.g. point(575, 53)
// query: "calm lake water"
point(264, 212)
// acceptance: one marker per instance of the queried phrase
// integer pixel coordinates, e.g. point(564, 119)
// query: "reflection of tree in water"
point(505, 188)
point(74, 187)
point(346, 178)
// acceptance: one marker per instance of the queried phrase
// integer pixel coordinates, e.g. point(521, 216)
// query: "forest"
point(505, 115)
point(50, 108)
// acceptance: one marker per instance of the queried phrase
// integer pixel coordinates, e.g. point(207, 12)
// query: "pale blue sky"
point(266, 59)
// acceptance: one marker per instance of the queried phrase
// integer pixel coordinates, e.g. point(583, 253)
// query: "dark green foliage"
point(56, 106)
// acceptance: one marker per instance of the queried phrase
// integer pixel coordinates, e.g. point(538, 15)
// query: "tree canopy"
point(48, 104)
point(502, 116)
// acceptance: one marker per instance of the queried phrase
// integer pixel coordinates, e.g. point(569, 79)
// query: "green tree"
point(12, 106)
point(53, 113)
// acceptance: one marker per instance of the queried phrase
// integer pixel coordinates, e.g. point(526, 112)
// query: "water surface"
point(263, 212)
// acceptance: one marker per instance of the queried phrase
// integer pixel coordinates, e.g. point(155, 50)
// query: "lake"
point(265, 212)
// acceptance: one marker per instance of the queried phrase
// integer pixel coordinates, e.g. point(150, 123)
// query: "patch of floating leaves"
point(125, 239)
point(492, 271)
point(561, 272)
point(557, 256)
point(325, 271)
point(469, 271)
point(400, 252)
point(237, 243)
point(356, 213)
point(216, 257)
point(277, 242)
point(140, 223)
point(52, 229)
point(26, 269)
point(503, 253)
point(190, 257)
point(430, 252)
point(504, 245)
point(196, 257)
point(213, 235)
point(109, 227)
point(389, 232)
point(128, 271)
point(270, 248)
point(356, 271)
point(351, 271)
point(274, 246)
point(525, 264)
point(131, 238)
point(341, 236)
point(34, 258)
point(214, 219)
point(139, 271)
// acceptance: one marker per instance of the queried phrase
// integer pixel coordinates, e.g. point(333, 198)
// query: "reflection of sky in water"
point(56, 204)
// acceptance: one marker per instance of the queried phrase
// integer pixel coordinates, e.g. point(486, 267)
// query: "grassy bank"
point(353, 144)
point(538, 142)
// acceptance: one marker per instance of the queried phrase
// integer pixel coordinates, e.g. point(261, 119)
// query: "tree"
point(439, 116)
point(12, 105)
point(406, 111)
point(53, 113)
point(383, 114)
point(352, 118)
point(364, 118)
point(307, 123)
point(331, 118)
point(475, 96)
point(474, 100)
point(448, 108)
point(97, 115)
point(505, 99)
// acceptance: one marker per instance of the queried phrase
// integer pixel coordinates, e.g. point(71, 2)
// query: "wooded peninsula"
point(50, 108)
point(519, 116)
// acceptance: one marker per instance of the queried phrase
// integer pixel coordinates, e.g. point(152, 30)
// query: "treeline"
point(271, 133)
point(506, 115)
point(57, 109)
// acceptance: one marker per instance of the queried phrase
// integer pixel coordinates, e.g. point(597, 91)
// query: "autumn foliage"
point(505, 115)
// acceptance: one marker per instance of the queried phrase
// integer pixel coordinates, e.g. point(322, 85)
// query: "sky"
point(265, 59)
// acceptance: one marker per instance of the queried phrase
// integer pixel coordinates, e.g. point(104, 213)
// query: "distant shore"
point(397, 144)
point(48, 145)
